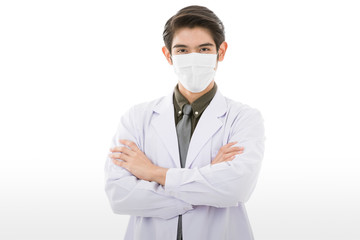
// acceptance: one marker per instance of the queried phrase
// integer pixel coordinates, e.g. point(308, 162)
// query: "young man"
point(183, 165)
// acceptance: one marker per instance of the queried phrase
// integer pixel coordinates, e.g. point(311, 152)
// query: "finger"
point(120, 156)
point(130, 144)
point(122, 149)
point(118, 163)
point(229, 159)
point(126, 151)
point(122, 164)
point(115, 149)
point(226, 157)
point(229, 150)
point(233, 154)
point(125, 157)
point(223, 160)
point(214, 162)
point(227, 146)
point(232, 149)
point(230, 144)
point(115, 155)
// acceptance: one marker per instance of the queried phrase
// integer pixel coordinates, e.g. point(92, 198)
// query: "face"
point(189, 40)
point(194, 40)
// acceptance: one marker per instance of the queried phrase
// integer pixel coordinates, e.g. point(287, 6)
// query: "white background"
point(70, 69)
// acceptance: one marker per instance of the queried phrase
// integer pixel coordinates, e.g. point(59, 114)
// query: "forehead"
point(192, 36)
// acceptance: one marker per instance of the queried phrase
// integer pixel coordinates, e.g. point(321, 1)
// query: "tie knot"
point(187, 109)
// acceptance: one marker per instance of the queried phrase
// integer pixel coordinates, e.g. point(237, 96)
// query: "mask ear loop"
point(217, 59)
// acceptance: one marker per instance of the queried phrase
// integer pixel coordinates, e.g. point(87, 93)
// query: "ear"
point(167, 55)
point(222, 51)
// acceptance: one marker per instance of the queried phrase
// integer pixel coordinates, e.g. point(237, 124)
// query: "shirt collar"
point(198, 106)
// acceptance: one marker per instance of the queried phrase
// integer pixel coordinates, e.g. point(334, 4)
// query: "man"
point(183, 165)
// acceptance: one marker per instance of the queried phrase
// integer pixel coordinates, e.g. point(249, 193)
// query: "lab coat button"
point(196, 113)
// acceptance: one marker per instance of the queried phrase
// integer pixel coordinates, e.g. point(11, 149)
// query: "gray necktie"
point(183, 129)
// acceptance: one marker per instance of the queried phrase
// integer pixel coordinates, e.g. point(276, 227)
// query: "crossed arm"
point(135, 161)
point(135, 186)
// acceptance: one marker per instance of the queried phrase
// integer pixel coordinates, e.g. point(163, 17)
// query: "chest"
point(164, 150)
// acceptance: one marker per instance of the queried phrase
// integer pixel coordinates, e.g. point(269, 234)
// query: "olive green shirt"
point(198, 106)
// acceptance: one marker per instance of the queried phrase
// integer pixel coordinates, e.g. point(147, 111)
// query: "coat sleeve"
point(130, 195)
point(228, 183)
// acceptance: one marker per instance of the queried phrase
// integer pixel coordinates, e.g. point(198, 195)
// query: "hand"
point(133, 160)
point(227, 153)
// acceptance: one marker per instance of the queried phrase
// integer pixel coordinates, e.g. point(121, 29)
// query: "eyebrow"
point(201, 45)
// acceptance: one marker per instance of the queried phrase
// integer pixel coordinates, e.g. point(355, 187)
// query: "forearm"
point(132, 196)
point(159, 175)
point(196, 187)
point(220, 185)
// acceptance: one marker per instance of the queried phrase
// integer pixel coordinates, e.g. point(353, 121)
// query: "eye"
point(204, 49)
point(181, 50)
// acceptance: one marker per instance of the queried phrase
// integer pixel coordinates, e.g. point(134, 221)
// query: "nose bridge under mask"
point(217, 54)
point(194, 59)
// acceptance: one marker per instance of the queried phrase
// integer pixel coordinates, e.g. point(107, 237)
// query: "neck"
point(190, 96)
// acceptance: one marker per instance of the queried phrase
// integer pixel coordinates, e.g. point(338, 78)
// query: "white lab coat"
point(210, 197)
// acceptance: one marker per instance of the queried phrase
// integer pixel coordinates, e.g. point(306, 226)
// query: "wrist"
point(159, 175)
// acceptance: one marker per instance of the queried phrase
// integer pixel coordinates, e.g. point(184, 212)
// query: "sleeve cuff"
point(172, 185)
point(183, 207)
point(172, 181)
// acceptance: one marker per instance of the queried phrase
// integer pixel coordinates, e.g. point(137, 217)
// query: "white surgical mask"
point(195, 71)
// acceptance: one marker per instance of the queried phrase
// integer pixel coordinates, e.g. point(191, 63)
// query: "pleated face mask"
point(195, 71)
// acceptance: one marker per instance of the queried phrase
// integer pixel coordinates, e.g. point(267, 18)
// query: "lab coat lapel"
point(164, 124)
point(209, 123)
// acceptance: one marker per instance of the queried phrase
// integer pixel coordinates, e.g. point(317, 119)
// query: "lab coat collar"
point(209, 123)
